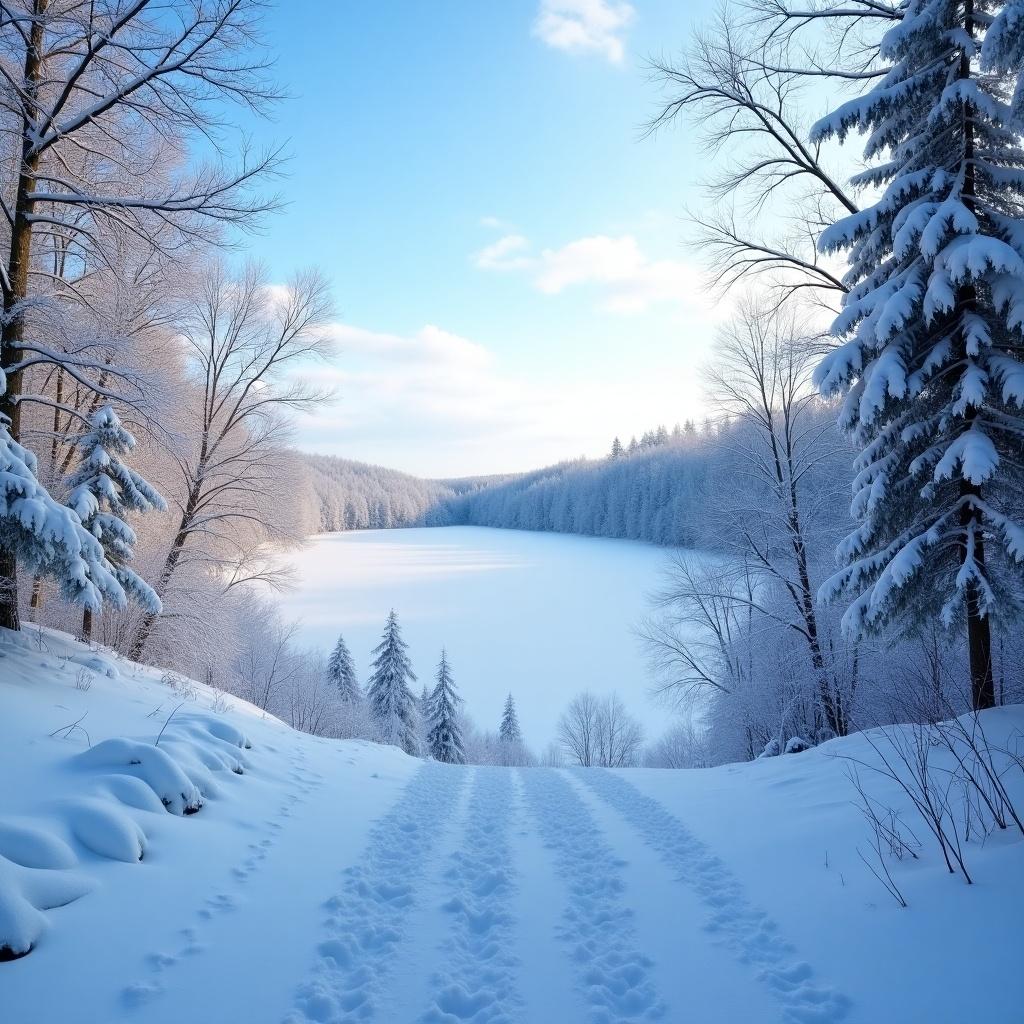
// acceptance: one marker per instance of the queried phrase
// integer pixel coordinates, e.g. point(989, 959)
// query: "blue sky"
point(505, 251)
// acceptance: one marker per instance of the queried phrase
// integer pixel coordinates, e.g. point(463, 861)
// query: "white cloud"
point(428, 387)
point(429, 346)
point(584, 26)
point(436, 403)
point(629, 280)
point(507, 253)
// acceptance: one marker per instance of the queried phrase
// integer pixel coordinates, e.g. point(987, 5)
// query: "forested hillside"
point(649, 490)
point(346, 495)
point(341, 494)
point(652, 494)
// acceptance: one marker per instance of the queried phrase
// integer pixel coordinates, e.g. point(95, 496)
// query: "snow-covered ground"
point(542, 615)
point(339, 881)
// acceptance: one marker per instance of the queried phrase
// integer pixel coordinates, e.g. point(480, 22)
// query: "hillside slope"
point(336, 881)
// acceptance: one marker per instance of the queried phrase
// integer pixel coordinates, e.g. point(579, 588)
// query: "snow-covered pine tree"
point(617, 449)
point(391, 703)
point(103, 491)
point(45, 536)
point(341, 671)
point(509, 731)
point(445, 737)
point(933, 326)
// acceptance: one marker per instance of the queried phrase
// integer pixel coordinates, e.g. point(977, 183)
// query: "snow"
point(335, 881)
point(540, 615)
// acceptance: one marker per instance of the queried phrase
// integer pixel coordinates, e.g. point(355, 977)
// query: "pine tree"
point(341, 671)
point(391, 703)
point(509, 731)
point(45, 536)
point(445, 737)
point(932, 326)
point(617, 449)
point(103, 491)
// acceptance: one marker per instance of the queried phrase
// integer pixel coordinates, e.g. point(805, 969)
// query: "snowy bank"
point(111, 764)
point(169, 854)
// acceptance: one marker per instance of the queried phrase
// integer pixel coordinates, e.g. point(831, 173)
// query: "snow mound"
point(30, 846)
point(105, 830)
point(24, 893)
point(222, 730)
point(177, 792)
point(101, 783)
point(130, 791)
point(95, 663)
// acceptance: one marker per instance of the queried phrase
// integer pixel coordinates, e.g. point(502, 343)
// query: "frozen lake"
point(542, 615)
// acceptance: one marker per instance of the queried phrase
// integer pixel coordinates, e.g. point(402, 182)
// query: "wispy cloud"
point(584, 26)
point(629, 281)
point(491, 221)
point(507, 253)
point(615, 268)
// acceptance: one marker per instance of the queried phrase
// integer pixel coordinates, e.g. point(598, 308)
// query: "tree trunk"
point(979, 643)
point(87, 625)
point(148, 620)
point(979, 628)
point(9, 617)
point(979, 625)
point(15, 292)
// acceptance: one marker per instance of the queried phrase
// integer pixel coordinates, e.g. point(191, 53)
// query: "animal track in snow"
point(597, 930)
point(746, 931)
point(366, 919)
point(478, 982)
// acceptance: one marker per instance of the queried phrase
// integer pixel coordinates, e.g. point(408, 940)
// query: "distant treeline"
point(647, 490)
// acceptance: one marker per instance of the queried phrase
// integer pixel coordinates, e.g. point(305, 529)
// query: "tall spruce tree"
point(103, 492)
point(391, 703)
point(932, 327)
point(445, 737)
point(509, 731)
point(341, 671)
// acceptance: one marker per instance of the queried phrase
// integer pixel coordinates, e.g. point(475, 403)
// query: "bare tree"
point(737, 86)
point(684, 745)
point(103, 92)
point(619, 735)
point(245, 344)
point(696, 644)
point(577, 729)
point(761, 378)
point(599, 732)
point(267, 666)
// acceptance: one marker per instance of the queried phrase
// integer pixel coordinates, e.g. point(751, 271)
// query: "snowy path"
point(479, 973)
point(730, 920)
point(365, 922)
point(374, 889)
point(613, 975)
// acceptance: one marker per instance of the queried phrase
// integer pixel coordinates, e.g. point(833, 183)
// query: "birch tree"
point(246, 345)
point(86, 92)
